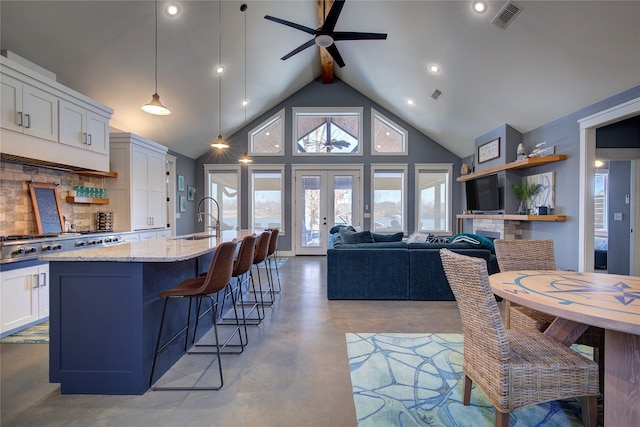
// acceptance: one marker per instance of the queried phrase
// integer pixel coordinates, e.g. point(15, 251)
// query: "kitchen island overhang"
point(105, 312)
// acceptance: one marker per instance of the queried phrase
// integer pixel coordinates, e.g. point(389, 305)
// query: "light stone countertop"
point(158, 250)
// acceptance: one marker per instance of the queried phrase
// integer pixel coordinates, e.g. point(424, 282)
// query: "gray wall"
point(422, 149)
point(619, 231)
point(564, 134)
point(185, 166)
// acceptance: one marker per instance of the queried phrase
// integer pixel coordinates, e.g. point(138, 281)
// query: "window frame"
point(390, 168)
point(392, 124)
point(326, 111)
point(261, 169)
point(434, 168)
point(250, 135)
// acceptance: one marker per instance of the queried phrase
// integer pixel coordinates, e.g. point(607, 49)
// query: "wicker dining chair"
point(513, 368)
point(515, 255)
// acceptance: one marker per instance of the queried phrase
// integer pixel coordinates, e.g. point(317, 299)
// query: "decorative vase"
point(522, 208)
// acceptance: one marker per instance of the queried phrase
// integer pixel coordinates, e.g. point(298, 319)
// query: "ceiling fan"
point(325, 36)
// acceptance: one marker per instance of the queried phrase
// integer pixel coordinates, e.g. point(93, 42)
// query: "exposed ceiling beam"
point(326, 60)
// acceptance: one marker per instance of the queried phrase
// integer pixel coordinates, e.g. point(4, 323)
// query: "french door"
point(324, 198)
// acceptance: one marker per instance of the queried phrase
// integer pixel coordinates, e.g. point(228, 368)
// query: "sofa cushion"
point(350, 237)
point(396, 237)
point(381, 245)
point(476, 240)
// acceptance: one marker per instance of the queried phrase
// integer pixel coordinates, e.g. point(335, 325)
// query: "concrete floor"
point(293, 373)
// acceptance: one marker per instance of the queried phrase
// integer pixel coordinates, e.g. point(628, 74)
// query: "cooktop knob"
point(79, 243)
point(47, 247)
point(18, 251)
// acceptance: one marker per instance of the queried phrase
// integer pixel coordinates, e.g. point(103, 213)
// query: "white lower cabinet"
point(24, 296)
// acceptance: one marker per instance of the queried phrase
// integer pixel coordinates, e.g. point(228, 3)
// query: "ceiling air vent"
point(507, 14)
point(436, 94)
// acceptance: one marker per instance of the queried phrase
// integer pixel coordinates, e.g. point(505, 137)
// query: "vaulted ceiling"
point(553, 59)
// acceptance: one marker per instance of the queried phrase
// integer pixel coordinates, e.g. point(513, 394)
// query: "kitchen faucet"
point(200, 215)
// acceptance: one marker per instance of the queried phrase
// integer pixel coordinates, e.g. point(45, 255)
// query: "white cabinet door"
point(139, 189)
point(11, 104)
point(98, 133)
point(43, 291)
point(72, 124)
point(156, 198)
point(40, 116)
point(19, 297)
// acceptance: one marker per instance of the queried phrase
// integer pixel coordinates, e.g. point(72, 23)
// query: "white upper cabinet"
point(46, 121)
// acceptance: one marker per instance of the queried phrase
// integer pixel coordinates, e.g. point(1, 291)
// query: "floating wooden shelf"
point(514, 217)
point(94, 200)
point(97, 174)
point(517, 165)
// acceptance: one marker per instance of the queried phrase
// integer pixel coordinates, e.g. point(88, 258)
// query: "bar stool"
point(259, 257)
point(241, 269)
point(272, 255)
point(216, 280)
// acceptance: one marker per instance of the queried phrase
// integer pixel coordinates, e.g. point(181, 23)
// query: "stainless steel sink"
point(196, 237)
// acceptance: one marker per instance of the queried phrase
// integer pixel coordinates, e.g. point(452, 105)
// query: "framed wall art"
point(180, 183)
point(191, 193)
point(489, 150)
point(183, 203)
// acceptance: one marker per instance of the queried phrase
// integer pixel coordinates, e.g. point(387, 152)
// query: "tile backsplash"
point(16, 210)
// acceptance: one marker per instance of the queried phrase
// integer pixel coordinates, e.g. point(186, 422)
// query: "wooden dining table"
point(580, 300)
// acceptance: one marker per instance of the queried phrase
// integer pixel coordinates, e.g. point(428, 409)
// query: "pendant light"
point(155, 106)
point(245, 158)
point(220, 144)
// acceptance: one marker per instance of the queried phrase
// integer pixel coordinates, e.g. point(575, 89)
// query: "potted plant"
point(524, 192)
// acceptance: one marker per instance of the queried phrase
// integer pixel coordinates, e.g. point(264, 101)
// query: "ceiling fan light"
point(324, 40)
point(155, 107)
point(220, 144)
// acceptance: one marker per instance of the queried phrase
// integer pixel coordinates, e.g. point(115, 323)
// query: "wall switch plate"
point(617, 216)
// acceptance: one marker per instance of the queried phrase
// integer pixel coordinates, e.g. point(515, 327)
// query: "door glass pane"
point(343, 200)
point(432, 201)
point(311, 215)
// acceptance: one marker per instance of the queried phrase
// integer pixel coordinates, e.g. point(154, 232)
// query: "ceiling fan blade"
point(333, 51)
point(332, 17)
point(291, 24)
point(299, 49)
point(346, 35)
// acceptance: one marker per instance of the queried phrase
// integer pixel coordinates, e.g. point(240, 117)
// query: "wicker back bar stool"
point(513, 368)
point(199, 288)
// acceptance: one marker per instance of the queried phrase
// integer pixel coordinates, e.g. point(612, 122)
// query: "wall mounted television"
point(483, 194)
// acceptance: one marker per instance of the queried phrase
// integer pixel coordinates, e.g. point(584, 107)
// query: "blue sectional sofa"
point(394, 270)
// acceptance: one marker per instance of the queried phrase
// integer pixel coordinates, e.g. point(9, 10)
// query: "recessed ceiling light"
point(219, 69)
point(434, 68)
point(479, 6)
point(245, 102)
point(410, 101)
point(172, 9)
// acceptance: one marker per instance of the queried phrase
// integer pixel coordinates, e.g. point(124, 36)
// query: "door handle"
point(19, 118)
point(28, 117)
point(89, 139)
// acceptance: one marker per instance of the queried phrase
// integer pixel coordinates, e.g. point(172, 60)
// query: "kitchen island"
point(105, 311)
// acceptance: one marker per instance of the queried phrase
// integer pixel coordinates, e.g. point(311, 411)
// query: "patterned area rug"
point(38, 334)
point(416, 380)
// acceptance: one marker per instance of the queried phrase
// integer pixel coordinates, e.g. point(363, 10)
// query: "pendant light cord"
point(156, 30)
point(220, 63)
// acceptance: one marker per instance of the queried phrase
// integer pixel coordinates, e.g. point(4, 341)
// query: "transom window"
point(327, 131)
point(267, 139)
point(387, 138)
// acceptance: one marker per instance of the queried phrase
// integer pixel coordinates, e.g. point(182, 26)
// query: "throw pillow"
point(337, 228)
point(395, 237)
point(473, 239)
point(351, 237)
point(437, 239)
point(418, 238)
